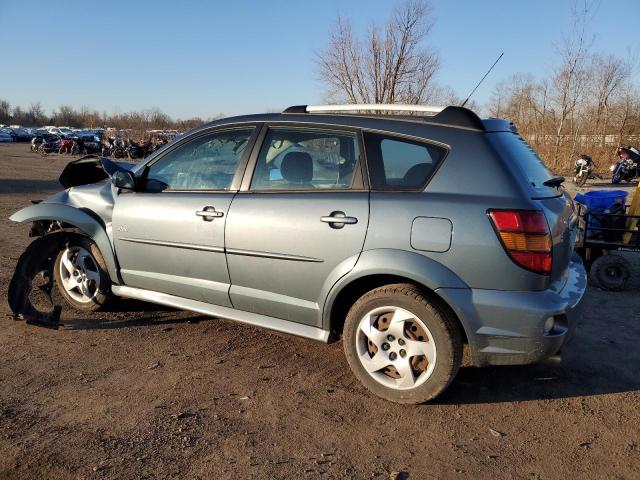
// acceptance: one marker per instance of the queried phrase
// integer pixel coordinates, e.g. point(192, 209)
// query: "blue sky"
point(193, 58)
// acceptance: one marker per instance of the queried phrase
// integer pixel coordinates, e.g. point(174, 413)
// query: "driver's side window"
point(208, 162)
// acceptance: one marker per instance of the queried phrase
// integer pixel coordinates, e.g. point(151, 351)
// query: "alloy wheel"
point(395, 347)
point(79, 274)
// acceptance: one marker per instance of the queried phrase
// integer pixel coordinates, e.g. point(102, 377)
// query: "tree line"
point(84, 117)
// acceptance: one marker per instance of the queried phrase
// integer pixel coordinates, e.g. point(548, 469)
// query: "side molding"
point(77, 218)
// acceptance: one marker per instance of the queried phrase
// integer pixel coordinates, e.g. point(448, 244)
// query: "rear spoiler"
point(90, 169)
point(498, 125)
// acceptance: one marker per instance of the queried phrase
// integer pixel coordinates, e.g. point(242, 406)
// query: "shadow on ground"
point(612, 185)
point(111, 324)
point(25, 185)
point(115, 316)
point(532, 382)
point(572, 378)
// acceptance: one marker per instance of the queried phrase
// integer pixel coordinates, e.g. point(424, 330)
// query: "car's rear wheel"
point(80, 274)
point(401, 345)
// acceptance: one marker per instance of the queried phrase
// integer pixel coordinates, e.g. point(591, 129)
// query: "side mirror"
point(124, 180)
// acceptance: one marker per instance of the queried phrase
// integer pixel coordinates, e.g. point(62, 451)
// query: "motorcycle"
point(626, 168)
point(119, 149)
point(82, 147)
point(114, 148)
point(107, 148)
point(35, 143)
point(65, 145)
point(49, 145)
point(584, 167)
point(132, 150)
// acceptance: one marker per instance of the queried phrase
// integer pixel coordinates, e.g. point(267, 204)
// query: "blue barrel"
point(600, 200)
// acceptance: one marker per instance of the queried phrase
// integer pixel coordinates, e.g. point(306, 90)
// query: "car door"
point(169, 235)
point(299, 222)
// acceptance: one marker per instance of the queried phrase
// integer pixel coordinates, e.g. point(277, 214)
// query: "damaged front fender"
point(77, 218)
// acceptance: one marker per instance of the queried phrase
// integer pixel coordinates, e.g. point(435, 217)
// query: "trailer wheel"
point(610, 272)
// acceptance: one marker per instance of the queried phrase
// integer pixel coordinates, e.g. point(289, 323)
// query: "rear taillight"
point(526, 238)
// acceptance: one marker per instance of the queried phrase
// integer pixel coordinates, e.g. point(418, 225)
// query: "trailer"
point(602, 235)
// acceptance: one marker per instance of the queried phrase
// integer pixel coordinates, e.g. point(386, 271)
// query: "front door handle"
point(208, 213)
point(338, 219)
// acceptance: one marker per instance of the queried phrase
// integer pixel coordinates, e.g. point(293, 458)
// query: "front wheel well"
point(354, 290)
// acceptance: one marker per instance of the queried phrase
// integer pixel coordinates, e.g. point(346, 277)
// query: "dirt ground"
point(146, 392)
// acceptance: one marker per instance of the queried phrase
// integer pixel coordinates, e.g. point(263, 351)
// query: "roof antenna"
point(482, 80)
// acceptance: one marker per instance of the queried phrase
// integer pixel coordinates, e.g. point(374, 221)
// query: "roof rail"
point(363, 107)
point(451, 115)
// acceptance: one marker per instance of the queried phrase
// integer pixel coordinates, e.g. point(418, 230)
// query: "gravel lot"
point(147, 392)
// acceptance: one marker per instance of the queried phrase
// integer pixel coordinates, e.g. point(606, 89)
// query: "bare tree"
point(389, 65)
point(628, 109)
point(18, 115)
point(608, 76)
point(35, 115)
point(5, 111)
point(569, 78)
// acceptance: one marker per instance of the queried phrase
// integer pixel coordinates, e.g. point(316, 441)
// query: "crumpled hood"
point(90, 169)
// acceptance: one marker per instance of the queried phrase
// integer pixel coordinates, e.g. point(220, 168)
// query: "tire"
point(417, 379)
point(81, 256)
point(610, 272)
point(615, 178)
point(581, 178)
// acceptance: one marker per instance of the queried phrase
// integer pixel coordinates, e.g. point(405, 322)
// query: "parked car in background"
point(5, 137)
point(21, 134)
point(327, 224)
point(60, 131)
point(39, 132)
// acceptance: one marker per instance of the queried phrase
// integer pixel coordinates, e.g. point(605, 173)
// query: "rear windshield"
point(516, 150)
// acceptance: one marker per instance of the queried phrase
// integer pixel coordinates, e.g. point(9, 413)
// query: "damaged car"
point(327, 222)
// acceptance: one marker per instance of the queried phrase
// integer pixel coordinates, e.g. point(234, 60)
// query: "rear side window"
point(400, 164)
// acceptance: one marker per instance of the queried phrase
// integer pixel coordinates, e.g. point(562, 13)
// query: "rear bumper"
point(508, 327)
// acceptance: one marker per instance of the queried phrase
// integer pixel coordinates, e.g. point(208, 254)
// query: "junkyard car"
point(412, 238)
point(5, 136)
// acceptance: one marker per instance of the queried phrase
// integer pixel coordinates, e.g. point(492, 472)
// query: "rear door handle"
point(208, 213)
point(338, 220)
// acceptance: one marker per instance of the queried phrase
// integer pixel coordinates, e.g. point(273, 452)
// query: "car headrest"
point(417, 174)
point(297, 167)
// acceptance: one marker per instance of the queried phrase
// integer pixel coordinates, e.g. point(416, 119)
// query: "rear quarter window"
point(397, 163)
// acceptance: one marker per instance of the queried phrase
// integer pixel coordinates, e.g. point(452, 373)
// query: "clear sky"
point(202, 58)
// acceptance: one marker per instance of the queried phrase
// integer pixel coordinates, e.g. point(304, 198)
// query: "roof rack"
point(450, 115)
point(373, 107)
